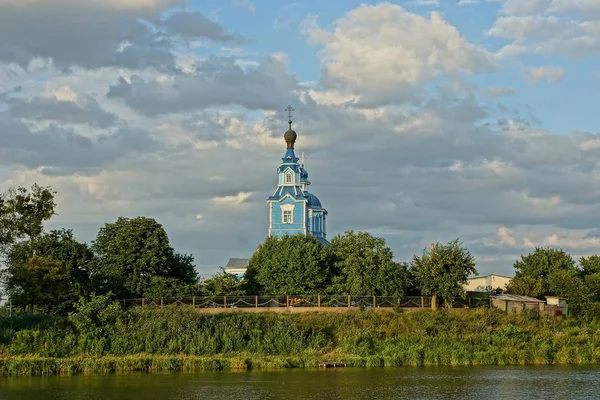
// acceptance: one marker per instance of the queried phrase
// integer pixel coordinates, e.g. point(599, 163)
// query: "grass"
point(179, 339)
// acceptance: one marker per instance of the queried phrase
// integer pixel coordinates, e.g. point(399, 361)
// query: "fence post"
point(224, 301)
point(143, 302)
point(422, 302)
point(469, 301)
point(194, 302)
point(255, 301)
point(319, 301)
point(374, 302)
point(349, 303)
point(399, 302)
point(287, 301)
point(161, 303)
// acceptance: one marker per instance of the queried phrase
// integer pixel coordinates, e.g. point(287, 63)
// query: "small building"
point(487, 283)
point(513, 302)
point(557, 304)
point(237, 267)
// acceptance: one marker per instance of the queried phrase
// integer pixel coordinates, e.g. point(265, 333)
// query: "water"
point(390, 383)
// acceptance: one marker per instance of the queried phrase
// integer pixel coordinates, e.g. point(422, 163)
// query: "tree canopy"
point(289, 265)
point(364, 266)
point(443, 270)
point(129, 253)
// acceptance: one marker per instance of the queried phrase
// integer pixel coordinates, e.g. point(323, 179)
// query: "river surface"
point(389, 383)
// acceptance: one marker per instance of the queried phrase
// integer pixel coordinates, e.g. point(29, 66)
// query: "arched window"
point(288, 178)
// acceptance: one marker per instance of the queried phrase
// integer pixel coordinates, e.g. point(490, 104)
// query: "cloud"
point(549, 73)
point(467, 2)
point(434, 3)
point(63, 106)
point(384, 51)
point(231, 201)
point(95, 34)
point(214, 82)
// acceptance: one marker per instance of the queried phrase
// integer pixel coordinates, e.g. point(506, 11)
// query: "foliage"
point(221, 285)
point(40, 281)
point(590, 265)
point(131, 252)
point(364, 265)
point(60, 245)
point(538, 266)
point(289, 265)
point(178, 338)
point(95, 316)
point(443, 270)
point(23, 213)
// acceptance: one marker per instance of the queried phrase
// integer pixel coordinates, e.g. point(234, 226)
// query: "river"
point(345, 384)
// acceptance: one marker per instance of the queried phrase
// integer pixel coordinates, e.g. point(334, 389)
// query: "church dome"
point(313, 201)
point(290, 137)
point(304, 174)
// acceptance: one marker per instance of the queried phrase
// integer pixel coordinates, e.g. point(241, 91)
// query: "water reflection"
point(347, 384)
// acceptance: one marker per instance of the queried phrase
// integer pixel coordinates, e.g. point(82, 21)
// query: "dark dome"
point(304, 174)
point(290, 138)
point(313, 201)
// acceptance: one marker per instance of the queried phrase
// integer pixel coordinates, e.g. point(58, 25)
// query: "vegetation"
point(99, 337)
point(443, 271)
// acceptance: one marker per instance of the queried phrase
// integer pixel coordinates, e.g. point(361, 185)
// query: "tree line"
point(132, 258)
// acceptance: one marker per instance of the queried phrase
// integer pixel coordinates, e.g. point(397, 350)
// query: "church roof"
point(237, 262)
point(313, 201)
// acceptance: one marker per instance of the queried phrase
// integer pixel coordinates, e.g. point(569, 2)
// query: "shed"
point(558, 304)
point(513, 302)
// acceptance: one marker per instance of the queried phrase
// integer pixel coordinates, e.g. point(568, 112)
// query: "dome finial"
point(290, 136)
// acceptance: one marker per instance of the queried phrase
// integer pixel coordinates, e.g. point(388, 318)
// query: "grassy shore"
point(178, 339)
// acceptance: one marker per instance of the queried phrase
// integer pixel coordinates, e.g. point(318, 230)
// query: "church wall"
point(278, 227)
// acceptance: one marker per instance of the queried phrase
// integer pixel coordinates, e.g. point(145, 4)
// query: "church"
point(293, 209)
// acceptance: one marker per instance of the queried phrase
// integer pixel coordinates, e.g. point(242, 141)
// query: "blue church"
point(292, 208)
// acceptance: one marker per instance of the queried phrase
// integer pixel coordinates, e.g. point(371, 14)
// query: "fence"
point(297, 302)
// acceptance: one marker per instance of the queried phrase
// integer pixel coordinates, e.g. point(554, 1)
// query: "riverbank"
point(179, 339)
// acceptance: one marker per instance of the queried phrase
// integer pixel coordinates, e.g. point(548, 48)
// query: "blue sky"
point(422, 121)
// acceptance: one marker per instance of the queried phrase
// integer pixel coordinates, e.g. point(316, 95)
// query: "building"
point(292, 208)
point(487, 283)
point(237, 267)
point(513, 302)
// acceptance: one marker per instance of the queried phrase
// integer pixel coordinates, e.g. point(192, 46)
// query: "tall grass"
point(177, 338)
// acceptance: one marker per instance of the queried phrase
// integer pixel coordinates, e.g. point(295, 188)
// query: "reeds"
point(179, 339)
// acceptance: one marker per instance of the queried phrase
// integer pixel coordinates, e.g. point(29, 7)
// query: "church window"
point(287, 216)
point(288, 178)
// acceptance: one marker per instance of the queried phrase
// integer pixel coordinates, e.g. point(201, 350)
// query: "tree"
point(443, 271)
point(131, 252)
point(288, 265)
point(222, 285)
point(364, 265)
point(23, 213)
point(537, 267)
point(62, 246)
point(40, 281)
point(590, 265)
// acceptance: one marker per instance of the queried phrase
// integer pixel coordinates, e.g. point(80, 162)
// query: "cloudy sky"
point(421, 120)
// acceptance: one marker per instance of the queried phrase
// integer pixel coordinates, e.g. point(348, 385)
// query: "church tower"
point(292, 209)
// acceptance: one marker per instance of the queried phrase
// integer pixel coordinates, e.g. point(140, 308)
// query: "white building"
point(487, 283)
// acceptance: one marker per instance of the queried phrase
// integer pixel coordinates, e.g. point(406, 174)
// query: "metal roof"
point(485, 276)
point(515, 297)
point(237, 263)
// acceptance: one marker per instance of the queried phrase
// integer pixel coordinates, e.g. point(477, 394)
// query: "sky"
point(422, 121)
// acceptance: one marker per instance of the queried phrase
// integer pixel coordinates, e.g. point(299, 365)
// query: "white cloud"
point(548, 73)
point(419, 3)
point(467, 2)
point(506, 237)
point(234, 200)
point(381, 50)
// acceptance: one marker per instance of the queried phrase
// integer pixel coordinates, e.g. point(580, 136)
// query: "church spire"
point(290, 136)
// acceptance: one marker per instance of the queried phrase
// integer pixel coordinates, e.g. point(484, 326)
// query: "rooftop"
point(514, 297)
point(237, 263)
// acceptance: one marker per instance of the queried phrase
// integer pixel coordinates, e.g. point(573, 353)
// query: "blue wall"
point(278, 228)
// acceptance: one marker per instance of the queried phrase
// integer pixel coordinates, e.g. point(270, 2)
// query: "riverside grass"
point(179, 339)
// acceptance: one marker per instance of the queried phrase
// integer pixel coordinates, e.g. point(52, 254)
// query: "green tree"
point(590, 265)
point(62, 246)
point(364, 265)
point(40, 281)
point(443, 270)
point(289, 265)
point(222, 285)
point(23, 213)
point(131, 252)
point(537, 267)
